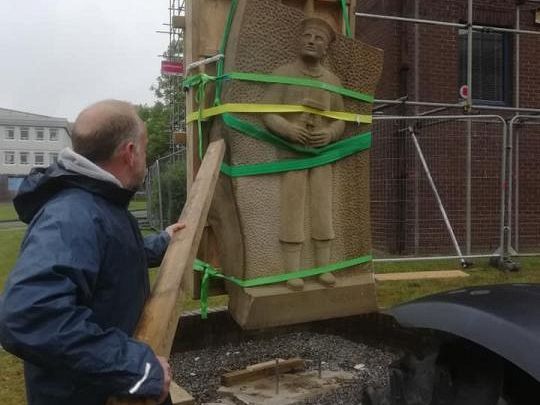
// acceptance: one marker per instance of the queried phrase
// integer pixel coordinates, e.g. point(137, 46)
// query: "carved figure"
point(310, 130)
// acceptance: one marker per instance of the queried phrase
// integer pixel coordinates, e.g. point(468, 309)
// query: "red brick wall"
point(403, 207)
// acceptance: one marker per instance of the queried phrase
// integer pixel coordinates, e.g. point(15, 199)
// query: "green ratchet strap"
point(222, 49)
point(345, 15)
point(203, 79)
point(315, 156)
point(257, 132)
point(209, 272)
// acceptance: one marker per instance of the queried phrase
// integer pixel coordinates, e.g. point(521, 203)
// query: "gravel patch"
point(199, 371)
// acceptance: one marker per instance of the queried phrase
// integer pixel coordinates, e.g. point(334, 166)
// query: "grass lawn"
point(137, 205)
point(7, 212)
point(389, 293)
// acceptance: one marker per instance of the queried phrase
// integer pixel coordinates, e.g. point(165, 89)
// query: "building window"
point(491, 66)
point(10, 133)
point(53, 158)
point(38, 159)
point(53, 134)
point(23, 158)
point(39, 134)
point(9, 158)
point(24, 134)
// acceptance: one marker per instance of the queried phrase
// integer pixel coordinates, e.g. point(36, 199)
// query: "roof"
point(21, 118)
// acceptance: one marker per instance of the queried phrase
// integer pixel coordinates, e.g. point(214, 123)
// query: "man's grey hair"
point(102, 127)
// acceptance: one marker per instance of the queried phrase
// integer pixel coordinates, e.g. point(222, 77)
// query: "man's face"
point(314, 42)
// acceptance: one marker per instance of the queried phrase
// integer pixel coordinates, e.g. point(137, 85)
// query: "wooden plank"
point(180, 396)
point(159, 319)
point(260, 370)
point(420, 275)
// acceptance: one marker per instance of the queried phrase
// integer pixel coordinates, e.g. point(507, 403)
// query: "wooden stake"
point(159, 319)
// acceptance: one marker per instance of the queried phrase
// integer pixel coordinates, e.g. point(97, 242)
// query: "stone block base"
point(277, 305)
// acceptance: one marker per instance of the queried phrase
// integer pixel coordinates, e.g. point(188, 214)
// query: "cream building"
point(28, 140)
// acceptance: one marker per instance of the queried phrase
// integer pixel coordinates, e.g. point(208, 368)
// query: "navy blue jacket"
point(75, 295)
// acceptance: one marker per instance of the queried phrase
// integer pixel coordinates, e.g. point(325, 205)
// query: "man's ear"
point(128, 152)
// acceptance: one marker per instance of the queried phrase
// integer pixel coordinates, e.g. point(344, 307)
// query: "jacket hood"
point(71, 170)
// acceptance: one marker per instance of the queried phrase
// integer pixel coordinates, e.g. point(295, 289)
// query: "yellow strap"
point(275, 108)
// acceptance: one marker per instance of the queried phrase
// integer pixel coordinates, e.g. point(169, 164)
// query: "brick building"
point(428, 63)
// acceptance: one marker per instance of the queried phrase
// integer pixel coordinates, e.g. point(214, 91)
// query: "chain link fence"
point(437, 185)
point(524, 186)
point(166, 189)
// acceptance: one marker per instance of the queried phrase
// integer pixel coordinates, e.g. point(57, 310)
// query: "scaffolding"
point(175, 53)
point(467, 104)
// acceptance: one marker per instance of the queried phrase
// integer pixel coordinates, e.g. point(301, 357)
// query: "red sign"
point(464, 91)
point(172, 68)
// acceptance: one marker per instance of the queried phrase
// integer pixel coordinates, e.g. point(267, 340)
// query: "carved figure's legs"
point(322, 258)
point(292, 202)
point(291, 253)
point(321, 218)
point(293, 195)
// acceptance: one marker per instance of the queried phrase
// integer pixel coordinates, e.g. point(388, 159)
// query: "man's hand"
point(166, 378)
point(320, 137)
point(297, 133)
point(171, 229)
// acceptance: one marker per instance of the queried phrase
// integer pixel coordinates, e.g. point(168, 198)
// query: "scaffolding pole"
point(474, 27)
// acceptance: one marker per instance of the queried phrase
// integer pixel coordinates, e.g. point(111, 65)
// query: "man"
point(310, 130)
point(75, 295)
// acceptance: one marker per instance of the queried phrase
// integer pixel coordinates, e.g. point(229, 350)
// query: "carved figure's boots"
point(322, 258)
point(291, 260)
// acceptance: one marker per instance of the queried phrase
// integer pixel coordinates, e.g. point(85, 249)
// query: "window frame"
point(10, 130)
point(21, 131)
point(55, 132)
point(42, 132)
point(12, 154)
point(507, 68)
point(27, 154)
point(42, 155)
point(53, 157)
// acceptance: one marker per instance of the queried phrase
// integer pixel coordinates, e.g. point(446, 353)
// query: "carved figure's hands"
point(297, 133)
point(320, 137)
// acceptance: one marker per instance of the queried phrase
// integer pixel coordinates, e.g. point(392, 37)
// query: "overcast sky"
point(58, 56)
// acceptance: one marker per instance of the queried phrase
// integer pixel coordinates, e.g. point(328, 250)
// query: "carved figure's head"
point(316, 36)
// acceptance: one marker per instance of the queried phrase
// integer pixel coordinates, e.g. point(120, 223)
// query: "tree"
point(167, 115)
point(157, 120)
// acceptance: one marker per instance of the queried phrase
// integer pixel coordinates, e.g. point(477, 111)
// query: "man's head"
point(317, 34)
point(111, 134)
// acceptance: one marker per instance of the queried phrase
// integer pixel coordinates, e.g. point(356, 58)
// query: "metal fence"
point(437, 186)
point(524, 186)
point(166, 189)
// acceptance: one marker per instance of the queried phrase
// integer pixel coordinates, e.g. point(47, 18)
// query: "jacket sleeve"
point(155, 247)
point(45, 317)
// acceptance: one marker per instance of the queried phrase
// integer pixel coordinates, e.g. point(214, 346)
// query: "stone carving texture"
point(264, 37)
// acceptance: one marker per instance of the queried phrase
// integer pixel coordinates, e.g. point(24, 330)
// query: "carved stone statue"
point(271, 223)
point(310, 130)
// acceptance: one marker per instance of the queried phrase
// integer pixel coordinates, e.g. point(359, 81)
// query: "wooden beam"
point(159, 319)
point(180, 396)
point(260, 370)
